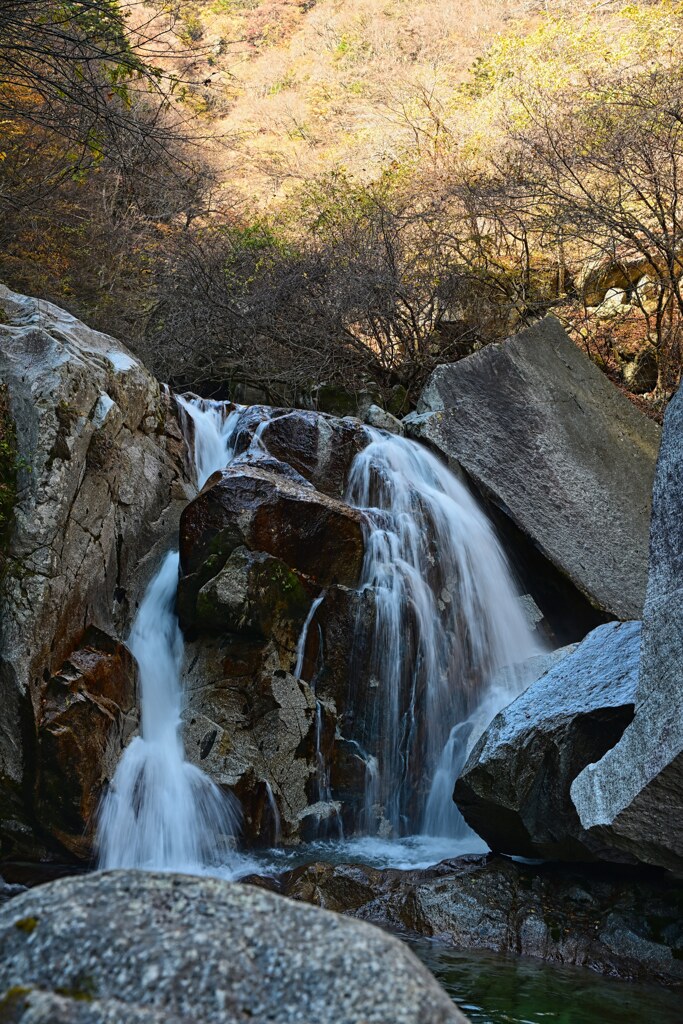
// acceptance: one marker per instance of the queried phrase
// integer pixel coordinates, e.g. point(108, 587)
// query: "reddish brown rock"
point(88, 713)
point(319, 447)
point(309, 531)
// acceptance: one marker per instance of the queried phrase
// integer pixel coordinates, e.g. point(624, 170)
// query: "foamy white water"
point(447, 621)
point(161, 812)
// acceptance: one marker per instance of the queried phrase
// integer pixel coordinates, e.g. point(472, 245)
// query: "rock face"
point(259, 545)
point(137, 946)
point(319, 447)
point(101, 487)
point(631, 799)
point(561, 443)
point(614, 924)
point(88, 714)
point(514, 789)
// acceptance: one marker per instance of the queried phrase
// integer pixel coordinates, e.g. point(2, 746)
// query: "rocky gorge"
point(364, 617)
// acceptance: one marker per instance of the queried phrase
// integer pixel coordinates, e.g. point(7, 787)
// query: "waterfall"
point(161, 812)
point(447, 623)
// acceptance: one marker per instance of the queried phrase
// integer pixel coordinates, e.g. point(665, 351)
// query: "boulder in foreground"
point(567, 458)
point(167, 948)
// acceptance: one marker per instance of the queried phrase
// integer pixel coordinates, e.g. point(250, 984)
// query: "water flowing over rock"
point(631, 798)
point(560, 453)
point(161, 811)
point(514, 789)
point(446, 620)
point(102, 482)
point(161, 947)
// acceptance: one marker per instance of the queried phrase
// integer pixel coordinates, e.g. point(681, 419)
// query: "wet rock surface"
point(610, 921)
point(319, 447)
point(310, 532)
point(631, 799)
point(560, 443)
point(250, 725)
point(160, 947)
point(514, 790)
point(88, 713)
point(102, 481)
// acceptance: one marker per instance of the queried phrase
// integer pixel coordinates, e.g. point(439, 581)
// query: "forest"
point(303, 193)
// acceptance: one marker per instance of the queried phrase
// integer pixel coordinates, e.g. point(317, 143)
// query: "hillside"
point(354, 192)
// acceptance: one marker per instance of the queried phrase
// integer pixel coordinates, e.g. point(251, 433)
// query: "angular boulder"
point(632, 799)
point(319, 447)
point(515, 788)
point(173, 948)
point(558, 451)
point(88, 714)
point(310, 532)
point(102, 479)
point(251, 726)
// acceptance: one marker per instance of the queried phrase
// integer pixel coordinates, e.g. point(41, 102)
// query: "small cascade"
point(447, 621)
point(213, 433)
point(161, 812)
point(275, 813)
point(301, 644)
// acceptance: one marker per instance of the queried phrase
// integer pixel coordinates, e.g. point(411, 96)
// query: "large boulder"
point(615, 924)
point(558, 451)
point(632, 799)
point(102, 481)
point(514, 789)
point(319, 447)
point(176, 949)
point(264, 510)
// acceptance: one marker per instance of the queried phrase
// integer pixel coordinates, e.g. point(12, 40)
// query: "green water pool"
point(514, 990)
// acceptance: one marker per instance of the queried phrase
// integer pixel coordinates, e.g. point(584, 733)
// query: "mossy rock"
point(254, 594)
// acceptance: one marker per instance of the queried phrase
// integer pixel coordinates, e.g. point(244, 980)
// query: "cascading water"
point(447, 622)
point(448, 631)
point(161, 812)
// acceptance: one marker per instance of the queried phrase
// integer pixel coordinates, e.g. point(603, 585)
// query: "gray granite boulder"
point(514, 789)
point(632, 798)
point(103, 478)
point(558, 450)
point(181, 950)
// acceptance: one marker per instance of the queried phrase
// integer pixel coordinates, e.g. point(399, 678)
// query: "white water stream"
point(448, 620)
point(161, 812)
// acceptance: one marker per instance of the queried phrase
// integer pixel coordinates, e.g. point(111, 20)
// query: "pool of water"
point(491, 989)
point(411, 853)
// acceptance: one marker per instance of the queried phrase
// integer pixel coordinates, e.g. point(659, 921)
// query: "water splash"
point(447, 620)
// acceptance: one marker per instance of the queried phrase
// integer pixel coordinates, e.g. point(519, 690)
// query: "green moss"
point(13, 1004)
point(84, 990)
point(27, 924)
